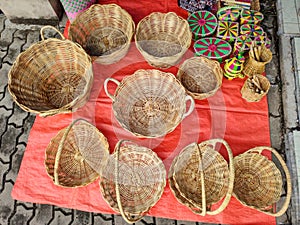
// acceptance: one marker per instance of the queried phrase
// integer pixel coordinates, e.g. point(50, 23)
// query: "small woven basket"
point(52, 76)
point(104, 31)
point(199, 177)
point(258, 181)
point(163, 38)
point(155, 102)
point(76, 155)
point(255, 88)
point(255, 4)
point(201, 77)
point(140, 177)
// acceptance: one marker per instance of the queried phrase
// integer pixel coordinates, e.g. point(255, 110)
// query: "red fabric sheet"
point(225, 115)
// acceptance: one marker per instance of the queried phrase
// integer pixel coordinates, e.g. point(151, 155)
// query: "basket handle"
point(192, 106)
point(285, 205)
point(203, 211)
point(53, 28)
point(105, 87)
point(127, 217)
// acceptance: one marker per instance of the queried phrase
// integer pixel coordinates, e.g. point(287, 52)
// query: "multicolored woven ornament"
point(251, 30)
point(229, 13)
point(213, 48)
point(234, 66)
point(259, 40)
point(242, 44)
point(228, 30)
point(251, 17)
point(202, 23)
point(73, 7)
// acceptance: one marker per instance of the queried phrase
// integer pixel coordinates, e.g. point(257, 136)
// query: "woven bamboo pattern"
point(251, 17)
point(201, 77)
point(229, 13)
point(163, 38)
point(76, 155)
point(52, 76)
point(155, 102)
point(199, 177)
point(140, 177)
point(255, 88)
point(258, 181)
point(104, 31)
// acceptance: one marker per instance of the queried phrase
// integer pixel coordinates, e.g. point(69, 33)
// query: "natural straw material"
point(52, 76)
point(255, 88)
point(200, 176)
point(140, 177)
point(258, 181)
point(163, 38)
point(104, 31)
point(200, 76)
point(76, 155)
point(149, 103)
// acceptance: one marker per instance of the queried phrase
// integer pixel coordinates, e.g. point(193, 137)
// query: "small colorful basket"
point(252, 30)
point(229, 13)
point(251, 17)
point(228, 30)
point(242, 44)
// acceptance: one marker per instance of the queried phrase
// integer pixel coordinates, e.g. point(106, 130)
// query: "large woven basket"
point(255, 88)
point(52, 76)
point(76, 155)
point(149, 103)
point(163, 38)
point(199, 177)
point(201, 77)
point(140, 177)
point(104, 31)
point(258, 181)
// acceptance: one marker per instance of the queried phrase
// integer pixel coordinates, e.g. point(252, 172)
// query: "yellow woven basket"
point(255, 88)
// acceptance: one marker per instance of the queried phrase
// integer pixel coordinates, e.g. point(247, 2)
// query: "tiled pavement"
point(15, 125)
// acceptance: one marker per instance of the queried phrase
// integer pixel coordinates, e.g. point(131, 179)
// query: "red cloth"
point(225, 115)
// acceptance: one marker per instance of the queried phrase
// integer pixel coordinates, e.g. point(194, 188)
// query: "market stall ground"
point(16, 124)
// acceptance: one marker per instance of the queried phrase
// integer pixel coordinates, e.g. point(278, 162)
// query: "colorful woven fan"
point(202, 23)
point(251, 16)
point(213, 48)
point(228, 30)
point(251, 30)
point(229, 13)
point(242, 44)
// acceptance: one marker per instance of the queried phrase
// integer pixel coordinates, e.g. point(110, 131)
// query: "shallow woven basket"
point(163, 38)
point(149, 103)
point(52, 76)
point(249, 94)
point(201, 77)
point(199, 177)
point(76, 155)
point(104, 31)
point(140, 177)
point(258, 181)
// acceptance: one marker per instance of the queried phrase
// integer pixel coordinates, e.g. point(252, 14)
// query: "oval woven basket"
point(52, 76)
point(255, 88)
point(201, 77)
point(199, 177)
point(155, 102)
point(104, 31)
point(258, 181)
point(140, 177)
point(163, 38)
point(76, 155)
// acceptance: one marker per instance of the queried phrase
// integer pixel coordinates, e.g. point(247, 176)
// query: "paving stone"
point(18, 116)
point(274, 97)
point(119, 220)
point(147, 220)
point(4, 76)
point(272, 72)
point(21, 216)
point(2, 55)
point(276, 132)
point(60, 218)
point(21, 34)
point(179, 222)
point(43, 214)
point(163, 221)
point(15, 164)
point(4, 114)
point(3, 169)
point(6, 38)
point(104, 219)
point(32, 38)
point(82, 218)
point(7, 102)
point(14, 50)
point(270, 21)
point(2, 21)
point(26, 129)
point(7, 206)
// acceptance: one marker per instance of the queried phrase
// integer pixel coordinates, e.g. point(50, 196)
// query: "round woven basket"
point(258, 181)
point(199, 177)
point(140, 177)
point(159, 39)
point(201, 77)
point(155, 102)
point(52, 76)
point(104, 31)
point(254, 92)
point(76, 155)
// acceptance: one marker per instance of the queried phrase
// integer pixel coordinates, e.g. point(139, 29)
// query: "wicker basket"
point(155, 102)
point(200, 176)
point(163, 38)
point(255, 88)
point(258, 181)
point(104, 31)
point(200, 76)
point(76, 155)
point(255, 4)
point(140, 177)
point(52, 76)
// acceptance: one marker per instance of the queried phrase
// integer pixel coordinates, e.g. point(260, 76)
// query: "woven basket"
point(140, 177)
point(163, 38)
point(251, 92)
point(76, 155)
point(104, 31)
point(200, 176)
point(52, 76)
point(200, 76)
point(255, 4)
point(155, 102)
point(258, 181)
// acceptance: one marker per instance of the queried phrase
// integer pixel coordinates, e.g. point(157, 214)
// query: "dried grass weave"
point(248, 90)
